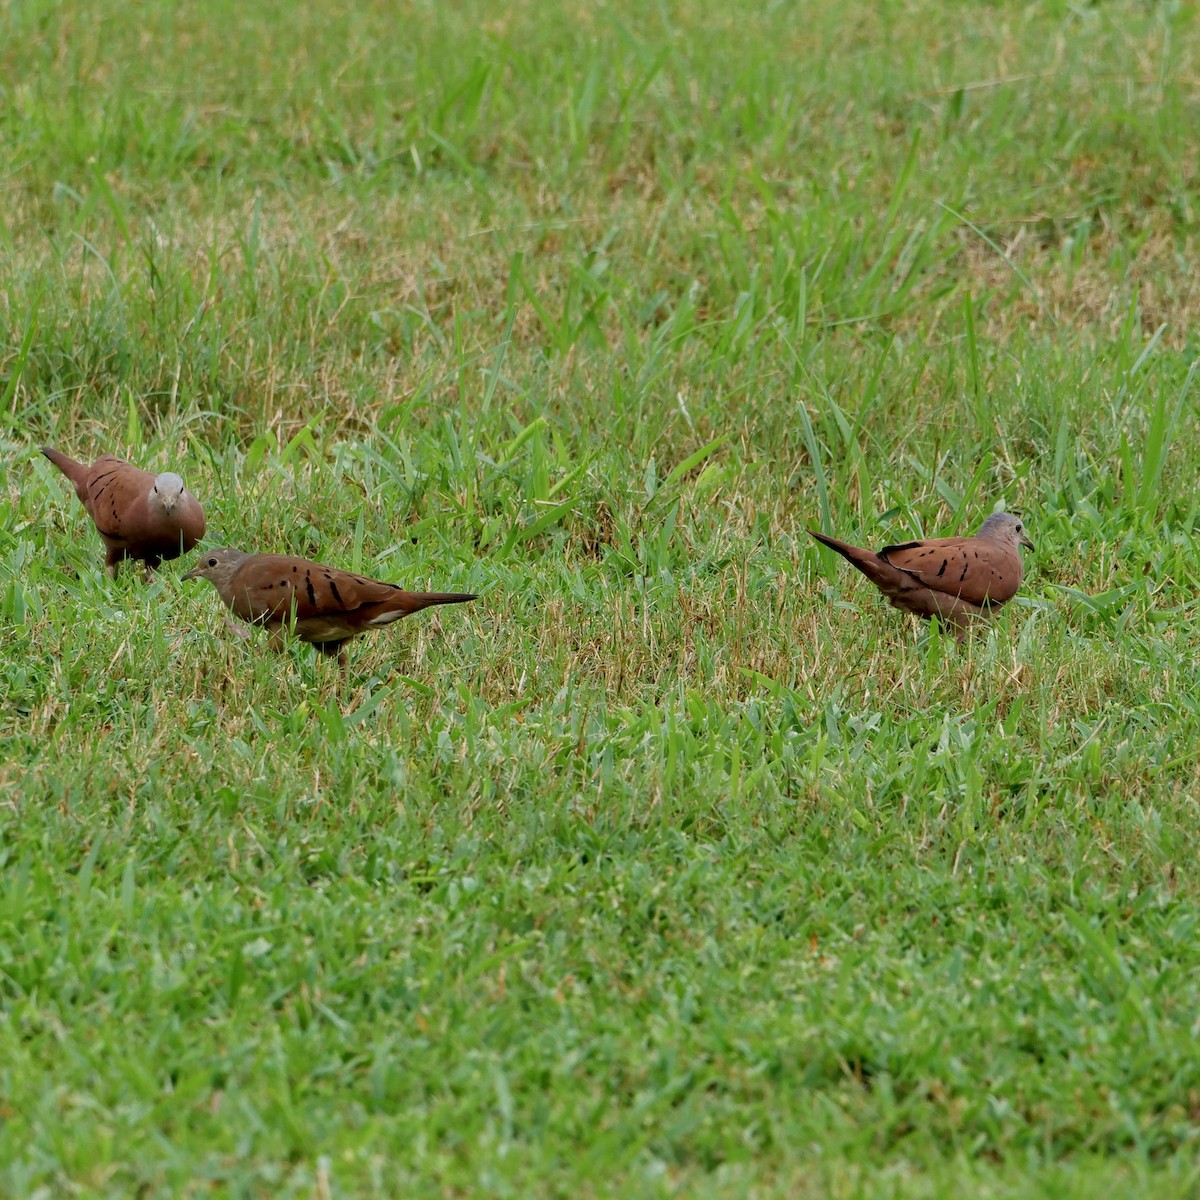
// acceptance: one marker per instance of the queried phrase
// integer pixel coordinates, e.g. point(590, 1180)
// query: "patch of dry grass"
point(678, 853)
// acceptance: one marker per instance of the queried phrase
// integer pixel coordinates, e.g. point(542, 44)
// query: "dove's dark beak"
point(1022, 537)
point(194, 573)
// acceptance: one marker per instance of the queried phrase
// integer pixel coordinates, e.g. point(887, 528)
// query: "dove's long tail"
point(402, 603)
point(882, 574)
point(76, 472)
point(415, 601)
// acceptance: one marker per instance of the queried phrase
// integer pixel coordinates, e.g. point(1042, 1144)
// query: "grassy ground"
point(678, 864)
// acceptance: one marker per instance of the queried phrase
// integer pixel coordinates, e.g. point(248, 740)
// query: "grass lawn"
point(678, 864)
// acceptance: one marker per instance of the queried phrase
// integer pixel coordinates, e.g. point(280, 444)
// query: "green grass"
point(678, 864)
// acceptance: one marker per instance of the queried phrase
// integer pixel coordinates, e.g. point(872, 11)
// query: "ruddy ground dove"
point(958, 579)
point(329, 606)
point(139, 515)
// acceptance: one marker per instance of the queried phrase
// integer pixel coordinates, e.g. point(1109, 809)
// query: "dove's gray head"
point(1005, 527)
point(167, 491)
point(219, 565)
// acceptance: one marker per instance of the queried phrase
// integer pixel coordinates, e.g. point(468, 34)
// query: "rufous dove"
point(139, 515)
point(325, 606)
point(959, 579)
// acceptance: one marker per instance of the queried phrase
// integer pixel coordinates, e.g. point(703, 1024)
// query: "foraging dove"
point(958, 579)
point(330, 606)
point(139, 515)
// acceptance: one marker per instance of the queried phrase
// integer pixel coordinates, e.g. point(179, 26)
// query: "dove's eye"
point(212, 562)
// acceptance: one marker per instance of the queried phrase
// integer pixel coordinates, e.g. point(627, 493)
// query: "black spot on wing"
point(964, 571)
point(336, 594)
point(883, 554)
point(312, 596)
point(102, 481)
point(942, 568)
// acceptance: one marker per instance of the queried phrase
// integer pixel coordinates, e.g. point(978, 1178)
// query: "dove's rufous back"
point(959, 579)
point(139, 515)
point(324, 606)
